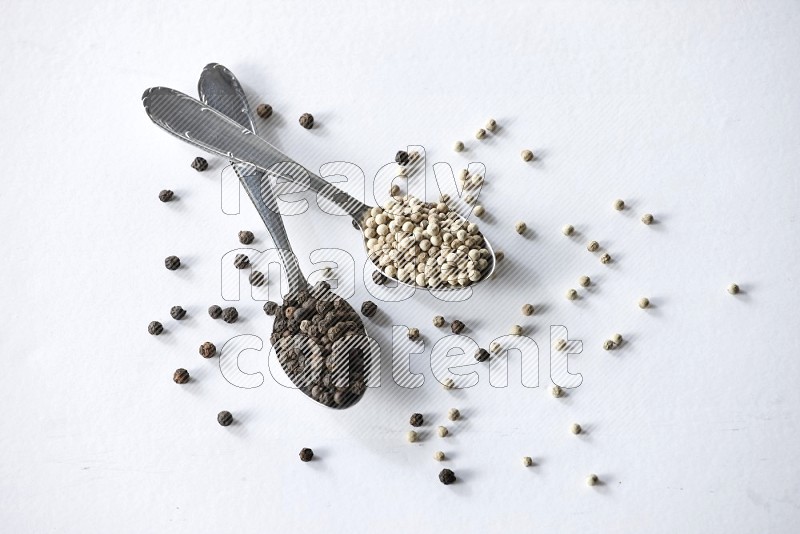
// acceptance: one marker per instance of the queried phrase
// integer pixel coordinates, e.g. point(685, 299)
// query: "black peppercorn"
point(172, 262)
point(155, 328)
point(457, 327)
point(264, 111)
point(447, 477)
point(270, 308)
point(257, 278)
point(369, 308)
point(229, 315)
point(181, 376)
point(199, 164)
point(177, 313)
point(401, 157)
point(379, 278)
point(481, 355)
point(306, 455)
point(165, 195)
point(207, 349)
point(246, 237)
point(307, 120)
point(416, 419)
point(225, 418)
point(241, 261)
point(215, 311)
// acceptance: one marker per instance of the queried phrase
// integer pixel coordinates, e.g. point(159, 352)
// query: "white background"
point(689, 110)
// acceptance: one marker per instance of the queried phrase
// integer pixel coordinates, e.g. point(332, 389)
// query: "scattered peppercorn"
point(527, 155)
point(438, 321)
point(172, 262)
point(180, 376)
point(479, 210)
point(165, 195)
point(379, 278)
point(230, 315)
point(592, 246)
point(575, 428)
point(207, 349)
point(516, 330)
point(527, 461)
point(494, 346)
point(491, 125)
point(416, 419)
point(605, 258)
point(257, 278)
point(458, 146)
point(619, 204)
point(617, 339)
point(647, 218)
point(481, 355)
point(448, 383)
point(442, 431)
point(225, 418)
point(527, 309)
point(447, 477)
point(401, 157)
point(499, 255)
point(592, 480)
point(457, 327)
point(264, 111)
point(394, 190)
point(215, 311)
point(520, 227)
point(241, 261)
point(733, 289)
point(177, 313)
point(568, 230)
point(584, 281)
point(413, 334)
point(246, 237)
point(369, 308)
point(199, 164)
point(155, 328)
point(411, 436)
point(306, 455)
point(644, 302)
point(608, 344)
point(556, 391)
point(307, 121)
point(561, 344)
point(438, 456)
point(572, 294)
point(453, 414)
point(480, 134)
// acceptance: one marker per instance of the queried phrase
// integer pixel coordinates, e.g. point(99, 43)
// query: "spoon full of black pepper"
point(418, 244)
point(320, 341)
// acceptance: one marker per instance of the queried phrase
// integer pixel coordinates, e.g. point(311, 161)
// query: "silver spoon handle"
point(215, 87)
point(198, 124)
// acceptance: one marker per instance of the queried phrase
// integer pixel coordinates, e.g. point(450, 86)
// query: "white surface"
point(689, 110)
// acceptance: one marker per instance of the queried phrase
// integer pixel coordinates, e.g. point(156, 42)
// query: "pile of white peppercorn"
point(425, 244)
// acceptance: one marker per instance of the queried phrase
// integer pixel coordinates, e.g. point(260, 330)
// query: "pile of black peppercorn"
point(304, 332)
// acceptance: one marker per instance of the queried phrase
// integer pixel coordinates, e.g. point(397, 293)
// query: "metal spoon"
point(202, 126)
point(220, 89)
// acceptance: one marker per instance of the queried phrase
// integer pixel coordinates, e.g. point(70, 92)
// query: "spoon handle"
point(221, 90)
point(212, 131)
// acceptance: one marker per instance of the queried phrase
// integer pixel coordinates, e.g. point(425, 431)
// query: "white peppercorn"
point(617, 339)
point(453, 414)
point(568, 230)
point(619, 204)
point(584, 281)
point(413, 334)
point(527, 309)
point(575, 428)
point(520, 227)
point(491, 125)
point(516, 330)
point(478, 210)
point(644, 302)
point(733, 289)
point(442, 431)
point(556, 391)
point(647, 218)
point(572, 294)
point(438, 321)
point(458, 146)
point(448, 383)
point(494, 346)
point(608, 344)
point(560, 344)
point(605, 258)
point(527, 155)
point(499, 255)
point(412, 436)
point(592, 246)
point(527, 461)
point(438, 456)
point(480, 134)
point(592, 480)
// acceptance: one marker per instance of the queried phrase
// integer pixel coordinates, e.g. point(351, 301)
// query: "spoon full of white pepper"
point(320, 341)
point(419, 244)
